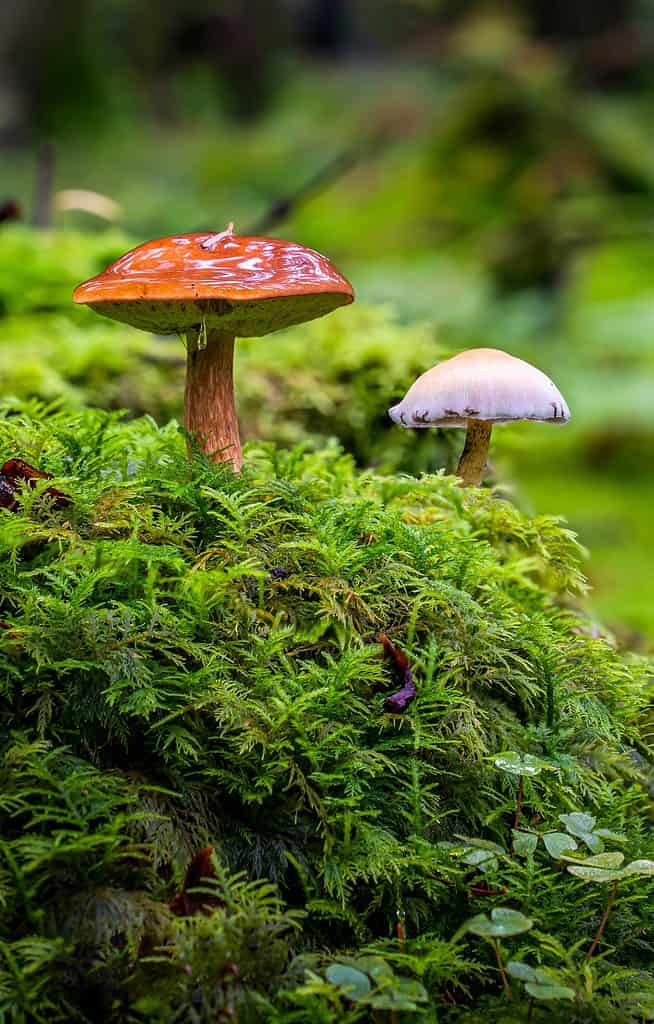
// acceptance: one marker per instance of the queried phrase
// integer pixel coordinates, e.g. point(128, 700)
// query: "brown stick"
point(502, 970)
point(518, 806)
point(602, 924)
point(475, 452)
point(209, 410)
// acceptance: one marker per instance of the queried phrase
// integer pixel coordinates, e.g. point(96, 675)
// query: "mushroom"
point(213, 287)
point(476, 389)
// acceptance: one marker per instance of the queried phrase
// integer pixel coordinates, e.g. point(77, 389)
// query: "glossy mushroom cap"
point(244, 286)
point(481, 384)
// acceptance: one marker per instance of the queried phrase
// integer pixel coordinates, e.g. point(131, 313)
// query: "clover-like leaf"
point(524, 843)
point(578, 824)
point(521, 971)
point(482, 859)
point(549, 991)
point(514, 763)
point(482, 844)
point(594, 874)
point(405, 994)
point(639, 868)
point(593, 841)
point(558, 843)
point(353, 983)
point(502, 923)
point(379, 970)
point(539, 983)
point(609, 860)
point(411, 989)
point(480, 853)
point(583, 827)
point(607, 867)
point(605, 833)
point(604, 867)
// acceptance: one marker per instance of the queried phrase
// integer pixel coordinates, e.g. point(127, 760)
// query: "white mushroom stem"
point(475, 453)
point(209, 409)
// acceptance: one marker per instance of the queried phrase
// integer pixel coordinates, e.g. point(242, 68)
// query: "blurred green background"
point(482, 172)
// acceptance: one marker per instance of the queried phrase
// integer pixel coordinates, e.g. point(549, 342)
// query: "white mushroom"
point(476, 389)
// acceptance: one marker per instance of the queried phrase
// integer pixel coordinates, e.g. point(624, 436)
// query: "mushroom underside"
point(419, 420)
point(245, 318)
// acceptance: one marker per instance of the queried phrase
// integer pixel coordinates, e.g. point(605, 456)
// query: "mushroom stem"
point(209, 410)
point(475, 452)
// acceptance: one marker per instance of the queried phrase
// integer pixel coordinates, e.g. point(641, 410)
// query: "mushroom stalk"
point(209, 410)
point(475, 452)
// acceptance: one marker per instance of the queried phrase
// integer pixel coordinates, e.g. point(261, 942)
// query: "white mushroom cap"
point(480, 384)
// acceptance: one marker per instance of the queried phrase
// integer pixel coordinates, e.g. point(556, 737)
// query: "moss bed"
point(191, 659)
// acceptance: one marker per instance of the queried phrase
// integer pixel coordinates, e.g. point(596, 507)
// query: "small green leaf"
point(578, 824)
point(592, 841)
point(503, 922)
point(605, 833)
point(594, 874)
point(483, 844)
point(539, 983)
point(411, 989)
point(482, 859)
point(523, 972)
point(524, 843)
point(375, 967)
point(352, 983)
point(604, 867)
point(514, 763)
point(609, 861)
point(639, 867)
point(549, 991)
point(391, 1001)
point(558, 843)
point(607, 867)
point(405, 994)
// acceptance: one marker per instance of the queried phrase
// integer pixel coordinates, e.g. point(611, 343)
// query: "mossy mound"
point(190, 658)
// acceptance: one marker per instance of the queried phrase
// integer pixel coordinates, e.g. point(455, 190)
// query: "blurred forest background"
point(482, 172)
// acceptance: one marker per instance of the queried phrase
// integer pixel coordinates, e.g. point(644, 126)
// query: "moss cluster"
point(190, 658)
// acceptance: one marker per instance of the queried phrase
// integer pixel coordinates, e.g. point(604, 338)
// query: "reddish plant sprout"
point(484, 890)
point(15, 473)
point(186, 902)
point(397, 702)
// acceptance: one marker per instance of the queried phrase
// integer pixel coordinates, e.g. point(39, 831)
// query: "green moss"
point(194, 655)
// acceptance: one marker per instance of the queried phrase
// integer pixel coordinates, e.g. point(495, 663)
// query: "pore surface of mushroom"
point(212, 288)
point(476, 389)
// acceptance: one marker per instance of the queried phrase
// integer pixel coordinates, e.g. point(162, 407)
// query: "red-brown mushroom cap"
point(245, 286)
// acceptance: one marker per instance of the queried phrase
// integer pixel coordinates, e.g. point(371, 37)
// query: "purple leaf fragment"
point(397, 702)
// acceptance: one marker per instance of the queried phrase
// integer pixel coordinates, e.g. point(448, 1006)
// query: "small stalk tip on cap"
point(213, 241)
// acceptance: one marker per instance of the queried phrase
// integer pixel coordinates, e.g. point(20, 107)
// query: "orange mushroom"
point(212, 288)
